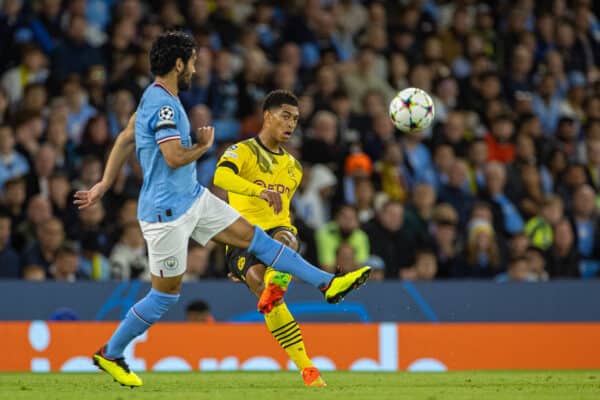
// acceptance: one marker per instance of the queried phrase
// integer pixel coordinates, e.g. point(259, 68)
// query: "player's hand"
point(205, 136)
point(273, 198)
point(87, 198)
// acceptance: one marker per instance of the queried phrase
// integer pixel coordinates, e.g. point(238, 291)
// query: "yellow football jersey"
point(279, 172)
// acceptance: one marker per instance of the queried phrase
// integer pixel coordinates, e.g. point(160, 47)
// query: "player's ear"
point(179, 65)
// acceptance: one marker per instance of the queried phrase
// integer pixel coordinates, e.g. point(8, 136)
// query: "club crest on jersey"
point(166, 113)
point(171, 262)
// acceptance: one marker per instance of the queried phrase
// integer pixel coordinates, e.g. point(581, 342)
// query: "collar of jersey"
point(163, 87)
point(261, 144)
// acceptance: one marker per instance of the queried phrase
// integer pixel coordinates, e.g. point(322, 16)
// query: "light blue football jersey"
point(166, 193)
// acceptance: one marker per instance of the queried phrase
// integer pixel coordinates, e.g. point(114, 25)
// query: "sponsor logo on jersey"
point(277, 187)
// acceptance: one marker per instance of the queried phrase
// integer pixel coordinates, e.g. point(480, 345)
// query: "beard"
point(184, 80)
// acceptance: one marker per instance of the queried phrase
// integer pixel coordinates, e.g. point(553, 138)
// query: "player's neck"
point(269, 143)
point(169, 82)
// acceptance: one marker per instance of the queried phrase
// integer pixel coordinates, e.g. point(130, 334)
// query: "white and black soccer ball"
point(166, 113)
point(412, 110)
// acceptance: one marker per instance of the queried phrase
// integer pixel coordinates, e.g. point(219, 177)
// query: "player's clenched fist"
point(205, 136)
point(273, 198)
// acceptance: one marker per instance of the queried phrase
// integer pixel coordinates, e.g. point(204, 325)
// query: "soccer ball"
point(412, 110)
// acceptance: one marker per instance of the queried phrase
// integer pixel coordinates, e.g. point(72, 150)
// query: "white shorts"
point(168, 241)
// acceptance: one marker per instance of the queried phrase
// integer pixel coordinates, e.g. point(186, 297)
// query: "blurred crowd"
point(504, 185)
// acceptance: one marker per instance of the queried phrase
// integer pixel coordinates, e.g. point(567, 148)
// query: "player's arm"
point(119, 154)
point(176, 155)
point(227, 178)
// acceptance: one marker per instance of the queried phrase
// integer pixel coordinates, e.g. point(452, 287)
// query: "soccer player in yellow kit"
point(261, 177)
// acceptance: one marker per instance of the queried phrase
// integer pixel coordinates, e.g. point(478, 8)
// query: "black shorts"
point(240, 260)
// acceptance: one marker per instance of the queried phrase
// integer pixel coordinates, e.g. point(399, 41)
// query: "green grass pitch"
point(529, 385)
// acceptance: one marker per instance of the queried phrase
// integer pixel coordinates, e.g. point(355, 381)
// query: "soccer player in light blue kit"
point(173, 206)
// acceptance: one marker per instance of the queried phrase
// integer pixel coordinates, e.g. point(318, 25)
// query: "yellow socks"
point(286, 331)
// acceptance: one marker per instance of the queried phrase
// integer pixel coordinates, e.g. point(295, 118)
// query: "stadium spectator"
point(345, 258)
point(539, 228)
point(445, 239)
point(345, 228)
point(31, 70)
point(518, 270)
point(393, 173)
point(198, 262)
point(57, 137)
point(198, 311)
point(420, 210)
point(563, 257)
point(66, 263)
point(482, 257)
point(121, 106)
point(60, 196)
point(357, 166)
point(587, 234)
point(321, 146)
point(73, 54)
point(128, 256)
point(312, 201)
point(29, 128)
point(96, 139)
point(49, 236)
point(390, 239)
point(79, 109)
point(38, 210)
point(456, 191)
point(425, 267)
point(43, 167)
point(93, 264)
point(536, 259)
point(9, 259)
point(12, 163)
point(13, 200)
point(507, 218)
point(364, 193)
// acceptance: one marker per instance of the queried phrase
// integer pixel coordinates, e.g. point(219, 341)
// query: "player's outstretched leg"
point(282, 258)
point(139, 318)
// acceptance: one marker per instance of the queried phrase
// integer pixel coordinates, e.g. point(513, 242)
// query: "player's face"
point(283, 122)
point(184, 79)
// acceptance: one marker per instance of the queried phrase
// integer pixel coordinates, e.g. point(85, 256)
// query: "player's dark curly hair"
point(277, 98)
point(167, 48)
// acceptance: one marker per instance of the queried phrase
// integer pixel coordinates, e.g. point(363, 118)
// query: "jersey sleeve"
point(234, 158)
point(163, 122)
point(227, 175)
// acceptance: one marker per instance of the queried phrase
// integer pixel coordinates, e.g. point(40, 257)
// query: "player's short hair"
point(277, 98)
point(167, 48)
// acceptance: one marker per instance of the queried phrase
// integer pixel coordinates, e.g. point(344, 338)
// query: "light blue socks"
point(139, 318)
